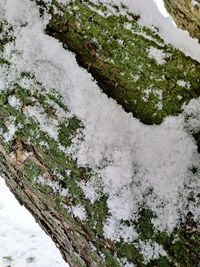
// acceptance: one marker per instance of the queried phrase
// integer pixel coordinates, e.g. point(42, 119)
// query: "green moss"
point(186, 250)
point(24, 96)
point(53, 156)
point(144, 224)
point(46, 190)
point(129, 251)
point(74, 188)
point(9, 259)
point(47, 155)
point(162, 238)
point(3, 98)
point(4, 38)
point(111, 261)
point(97, 214)
point(55, 97)
point(68, 130)
point(32, 170)
point(115, 55)
point(161, 262)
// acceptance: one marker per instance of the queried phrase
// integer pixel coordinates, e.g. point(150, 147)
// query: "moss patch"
point(115, 49)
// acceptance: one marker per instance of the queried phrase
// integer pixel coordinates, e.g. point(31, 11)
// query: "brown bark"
point(186, 14)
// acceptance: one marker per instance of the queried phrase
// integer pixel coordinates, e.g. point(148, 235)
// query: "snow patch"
point(184, 84)
point(115, 230)
point(151, 250)
point(14, 102)
point(157, 54)
point(47, 124)
point(79, 212)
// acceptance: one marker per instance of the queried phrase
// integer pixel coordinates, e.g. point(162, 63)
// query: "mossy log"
point(46, 180)
point(186, 14)
point(131, 62)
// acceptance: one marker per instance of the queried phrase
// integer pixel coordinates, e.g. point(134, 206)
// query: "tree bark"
point(116, 50)
point(34, 167)
point(186, 14)
point(34, 164)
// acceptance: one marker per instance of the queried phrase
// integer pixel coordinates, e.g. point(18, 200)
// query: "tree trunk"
point(186, 14)
point(121, 56)
point(28, 163)
point(46, 180)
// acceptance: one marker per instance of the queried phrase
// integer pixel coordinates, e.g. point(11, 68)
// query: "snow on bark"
point(89, 171)
point(116, 46)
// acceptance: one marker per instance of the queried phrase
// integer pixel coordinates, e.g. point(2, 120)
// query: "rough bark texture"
point(116, 50)
point(34, 164)
point(46, 179)
point(25, 160)
point(186, 14)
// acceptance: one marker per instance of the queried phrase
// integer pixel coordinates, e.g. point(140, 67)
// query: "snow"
point(151, 250)
point(53, 184)
point(184, 83)
point(48, 125)
point(161, 7)
point(14, 102)
point(114, 230)
point(92, 188)
point(22, 242)
point(125, 263)
point(12, 129)
point(192, 112)
point(79, 212)
point(136, 165)
point(196, 3)
point(157, 54)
